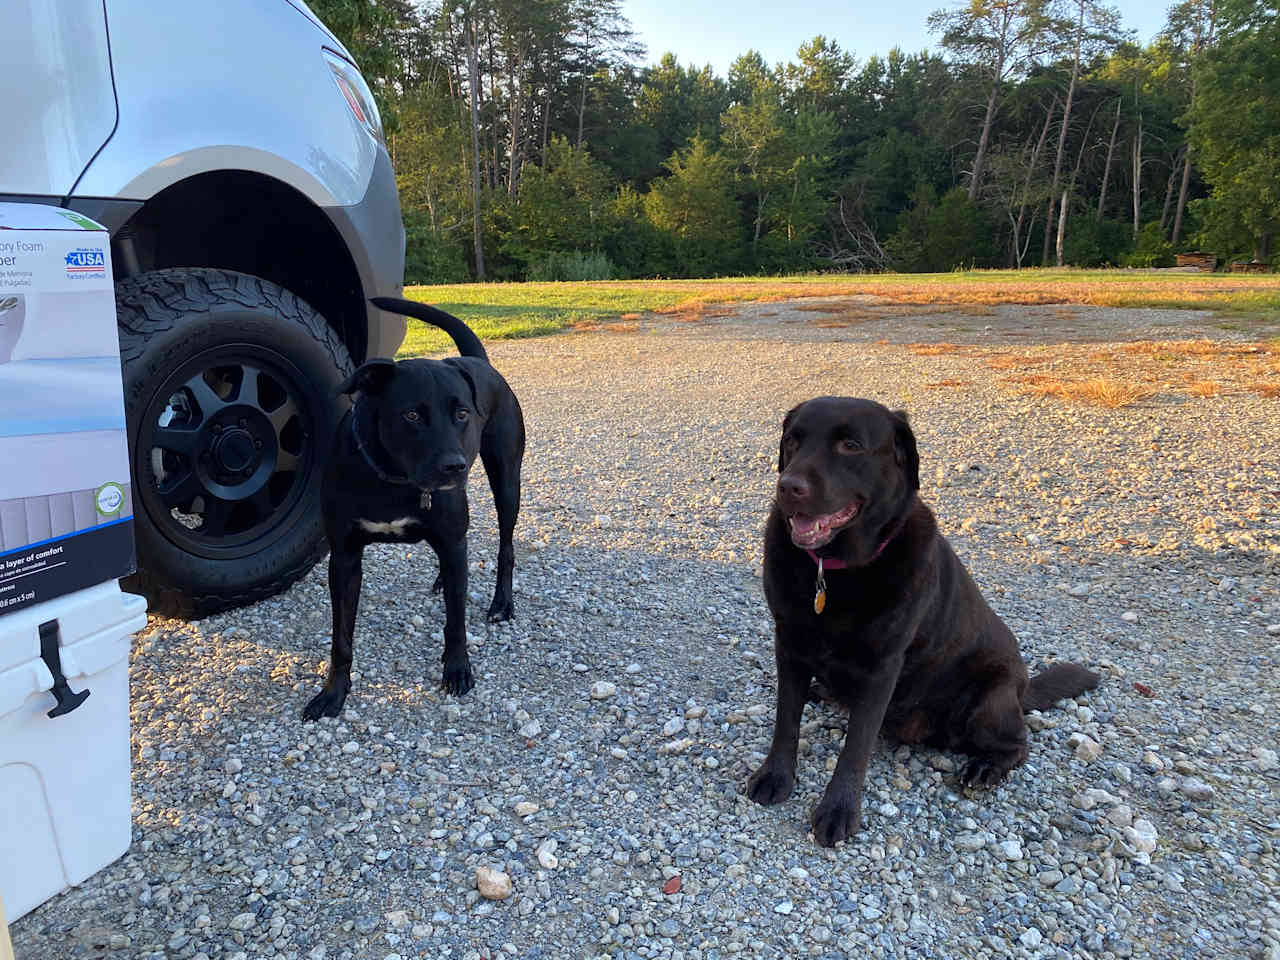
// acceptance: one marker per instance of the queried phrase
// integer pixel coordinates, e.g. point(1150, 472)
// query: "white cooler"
point(64, 780)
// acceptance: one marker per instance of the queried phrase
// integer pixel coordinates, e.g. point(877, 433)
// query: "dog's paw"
point(457, 678)
point(771, 784)
point(501, 609)
point(327, 703)
point(835, 820)
point(983, 772)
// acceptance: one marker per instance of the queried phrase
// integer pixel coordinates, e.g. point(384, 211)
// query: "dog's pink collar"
point(834, 563)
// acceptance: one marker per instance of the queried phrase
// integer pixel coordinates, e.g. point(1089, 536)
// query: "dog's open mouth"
point(810, 532)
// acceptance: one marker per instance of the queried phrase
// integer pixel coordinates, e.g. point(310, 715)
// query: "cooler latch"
point(67, 698)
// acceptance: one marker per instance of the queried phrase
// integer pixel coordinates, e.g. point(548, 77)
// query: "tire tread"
point(154, 303)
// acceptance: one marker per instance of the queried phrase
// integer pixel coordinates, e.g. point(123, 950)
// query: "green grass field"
point(507, 310)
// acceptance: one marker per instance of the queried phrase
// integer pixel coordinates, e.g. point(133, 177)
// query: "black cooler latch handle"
point(67, 698)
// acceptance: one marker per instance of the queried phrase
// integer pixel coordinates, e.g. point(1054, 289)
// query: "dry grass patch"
point(1015, 361)
point(1172, 348)
point(1202, 388)
point(937, 349)
point(1102, 391)
point(1269, 390)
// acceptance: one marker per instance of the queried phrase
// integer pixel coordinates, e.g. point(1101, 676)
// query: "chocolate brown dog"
point(870, 600)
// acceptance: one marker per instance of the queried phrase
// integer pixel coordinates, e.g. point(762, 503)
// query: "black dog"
point(398, 474)
point(869, 599)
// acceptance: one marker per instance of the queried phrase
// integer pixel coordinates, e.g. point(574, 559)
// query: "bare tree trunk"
point(1182, 196)
point(496, 164)
point(1062, 224)
point(515, 131)
point(755, 240)
point(981, 156)
point(1062, 141)
point(1018, 248)
point(546, 123)
point(582, 109)
point(1106, 170)
point(473, 70)
point(1168, 190)
point(1205, 39)
point(1137, 177)
point(1084, 145)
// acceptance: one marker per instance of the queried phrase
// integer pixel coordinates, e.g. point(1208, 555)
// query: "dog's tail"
point(1056, 682)
point(469, 344)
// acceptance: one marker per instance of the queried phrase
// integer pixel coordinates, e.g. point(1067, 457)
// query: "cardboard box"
point(66, 506)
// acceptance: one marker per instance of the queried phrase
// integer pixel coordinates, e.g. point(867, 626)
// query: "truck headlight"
point(356, 92)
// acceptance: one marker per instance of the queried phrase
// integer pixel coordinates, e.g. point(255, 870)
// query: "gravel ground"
point(600, 761)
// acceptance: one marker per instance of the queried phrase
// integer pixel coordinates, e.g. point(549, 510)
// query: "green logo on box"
point(110, 498)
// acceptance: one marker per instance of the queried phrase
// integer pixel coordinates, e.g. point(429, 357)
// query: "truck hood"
point(334, 42)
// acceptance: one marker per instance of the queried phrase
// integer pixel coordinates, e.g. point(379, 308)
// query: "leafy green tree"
point(635, 245)
point(429, 150)
point(756, 139)
point(937, 235)
point(819, 81)
point(563, 206)
point(1235, 129)
point(677, 104)
point(695, 206)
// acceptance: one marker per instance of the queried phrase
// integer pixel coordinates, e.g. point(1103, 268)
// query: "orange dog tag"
point(820, 590)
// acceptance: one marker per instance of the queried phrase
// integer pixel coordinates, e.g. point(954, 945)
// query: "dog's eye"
point(412, 416)
point(461, 415)
point(849, 445)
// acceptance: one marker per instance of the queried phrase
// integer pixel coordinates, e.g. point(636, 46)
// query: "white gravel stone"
point(546, 854)
point(1194, 788)
point(1088, 749)
point(1142, 836)
point(1009, 850)
point(603, 690)
point(493, 884)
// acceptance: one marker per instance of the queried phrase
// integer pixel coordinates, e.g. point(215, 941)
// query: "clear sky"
point(718, 31)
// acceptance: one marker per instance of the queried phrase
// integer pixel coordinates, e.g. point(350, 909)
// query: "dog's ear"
point(786, 425)
point(904, 448)
point(471, 368)
point(370, 378)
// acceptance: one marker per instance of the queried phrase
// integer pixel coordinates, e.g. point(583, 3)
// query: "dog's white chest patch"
point(396, 527)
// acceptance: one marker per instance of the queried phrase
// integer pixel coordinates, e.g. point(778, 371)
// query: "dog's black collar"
point(367, 453)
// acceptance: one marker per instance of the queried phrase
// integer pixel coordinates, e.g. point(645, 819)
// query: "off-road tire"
point(172, 317)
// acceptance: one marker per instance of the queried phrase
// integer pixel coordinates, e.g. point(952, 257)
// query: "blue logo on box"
point(86, 262)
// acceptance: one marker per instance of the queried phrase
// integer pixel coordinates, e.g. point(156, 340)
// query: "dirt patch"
point(1109, 356)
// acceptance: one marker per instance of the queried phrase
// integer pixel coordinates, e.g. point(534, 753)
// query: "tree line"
point(530, 143)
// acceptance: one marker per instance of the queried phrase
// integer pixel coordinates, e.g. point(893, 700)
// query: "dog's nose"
point(453, 465)
point(797, 488)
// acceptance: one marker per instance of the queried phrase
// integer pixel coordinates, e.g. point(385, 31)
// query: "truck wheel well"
point(236, 220)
